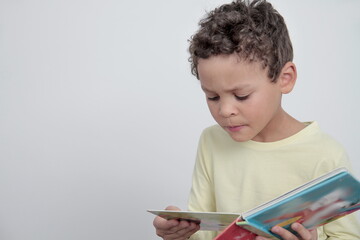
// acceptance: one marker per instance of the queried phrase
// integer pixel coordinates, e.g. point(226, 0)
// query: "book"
point(313, 204)
point(209, 221)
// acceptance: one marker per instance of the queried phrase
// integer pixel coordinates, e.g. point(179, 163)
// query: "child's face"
point(241, 97)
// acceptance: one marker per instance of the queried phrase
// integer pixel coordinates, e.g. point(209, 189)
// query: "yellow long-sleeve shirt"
point(234, 176)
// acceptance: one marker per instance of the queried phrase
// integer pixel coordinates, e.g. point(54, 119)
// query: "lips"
point(235, 128)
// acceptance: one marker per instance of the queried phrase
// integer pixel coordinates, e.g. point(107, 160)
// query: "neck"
point(281, 127)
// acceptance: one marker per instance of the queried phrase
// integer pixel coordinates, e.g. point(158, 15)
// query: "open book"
point(313, 204)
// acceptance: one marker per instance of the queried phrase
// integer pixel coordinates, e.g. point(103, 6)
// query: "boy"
point(242, 55)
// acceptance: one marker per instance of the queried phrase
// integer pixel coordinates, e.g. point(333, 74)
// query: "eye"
point(213, 98)
point(242, 98)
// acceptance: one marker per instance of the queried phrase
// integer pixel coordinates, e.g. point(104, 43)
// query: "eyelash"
point(240, 98)
point(213, 98)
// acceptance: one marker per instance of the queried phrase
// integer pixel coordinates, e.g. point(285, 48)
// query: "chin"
point(239, 138)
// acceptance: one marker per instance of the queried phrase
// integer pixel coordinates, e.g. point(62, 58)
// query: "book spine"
point(235, 232)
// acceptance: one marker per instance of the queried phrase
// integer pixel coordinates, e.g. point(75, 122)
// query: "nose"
point(228, 109)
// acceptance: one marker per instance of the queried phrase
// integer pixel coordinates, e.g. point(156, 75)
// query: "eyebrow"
point(245, 86)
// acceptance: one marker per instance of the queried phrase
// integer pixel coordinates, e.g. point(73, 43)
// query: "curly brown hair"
point(252, 29)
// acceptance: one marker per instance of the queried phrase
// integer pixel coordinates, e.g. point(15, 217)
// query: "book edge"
point(295, 191)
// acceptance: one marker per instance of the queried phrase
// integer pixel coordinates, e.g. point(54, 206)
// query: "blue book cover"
point(313, 204)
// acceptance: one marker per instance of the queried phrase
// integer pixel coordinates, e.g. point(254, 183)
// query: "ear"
point(287, 77)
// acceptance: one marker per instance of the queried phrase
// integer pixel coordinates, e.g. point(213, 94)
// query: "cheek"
point(213, 110)
point(254, 106)
point(267, 102)
point(259, 108)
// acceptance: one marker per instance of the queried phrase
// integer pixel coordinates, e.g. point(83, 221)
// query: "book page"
point(210, 221)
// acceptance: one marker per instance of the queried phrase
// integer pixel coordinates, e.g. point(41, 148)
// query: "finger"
point(164, 224)
point(283, 233)
point(173, 208)
point(164, 227)
point(314, 234)
point(184, 230)
point(262, 238)
point(303, 232)
point(194, 227)
point(179, 231)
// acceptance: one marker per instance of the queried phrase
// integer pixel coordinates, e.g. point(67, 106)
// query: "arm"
point(201, 198)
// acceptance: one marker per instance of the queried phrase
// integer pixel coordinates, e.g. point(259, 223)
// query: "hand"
point(174, 229)
point(303, 233)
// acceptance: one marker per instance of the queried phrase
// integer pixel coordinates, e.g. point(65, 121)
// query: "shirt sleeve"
point(201, 198)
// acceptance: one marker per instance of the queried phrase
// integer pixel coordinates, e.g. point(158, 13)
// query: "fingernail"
point(295, 226)
point(275, 229)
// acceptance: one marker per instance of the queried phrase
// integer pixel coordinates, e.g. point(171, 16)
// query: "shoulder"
point(322, 140)
point(325, 150)
point(215, 139)
point(213, 132)
point(215, 135)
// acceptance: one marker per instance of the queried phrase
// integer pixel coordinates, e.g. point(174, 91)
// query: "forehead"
point(229, 71)
point(229, 63)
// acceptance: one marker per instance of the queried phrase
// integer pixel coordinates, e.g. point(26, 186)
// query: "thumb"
point(172, 208)
point(163, 224)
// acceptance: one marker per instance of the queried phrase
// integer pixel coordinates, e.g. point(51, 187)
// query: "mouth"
point(235, 128)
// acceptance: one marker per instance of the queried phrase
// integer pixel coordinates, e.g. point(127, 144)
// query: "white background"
point(100, 116)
